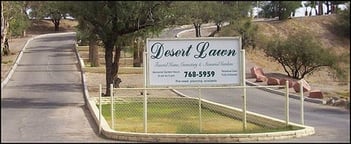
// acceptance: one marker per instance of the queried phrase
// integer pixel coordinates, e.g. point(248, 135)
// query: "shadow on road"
point(65, 87)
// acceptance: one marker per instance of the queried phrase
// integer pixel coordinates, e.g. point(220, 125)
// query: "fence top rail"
point(227, 87)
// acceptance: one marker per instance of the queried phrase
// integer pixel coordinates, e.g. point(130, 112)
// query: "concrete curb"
point(294, 96)
point(89, 102)
point(82, 73)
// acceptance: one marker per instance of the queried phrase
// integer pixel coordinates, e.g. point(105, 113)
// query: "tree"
point(332, 6)
point(248, 32)
point(55, 10)
point(220, 13)
point(229, 12)
point(342, 23)
point(13, 19)
point(192, 12)
point(299, 54)
point(93, 51)
point(87, 33)
point(198, 13)
point(138, 51)
point(134, 43)
point(244, 28)
point(4, 26)
point(280, 9)
point(113, 19)
point(320, 8)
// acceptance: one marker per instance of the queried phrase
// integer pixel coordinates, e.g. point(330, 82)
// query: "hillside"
point(321, 28)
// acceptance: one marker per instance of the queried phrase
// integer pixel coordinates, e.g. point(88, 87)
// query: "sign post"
point(244, 89)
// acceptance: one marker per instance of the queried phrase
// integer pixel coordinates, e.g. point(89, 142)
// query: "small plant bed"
point(176, 116)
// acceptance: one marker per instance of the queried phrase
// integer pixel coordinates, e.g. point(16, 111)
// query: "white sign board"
point(186, 62)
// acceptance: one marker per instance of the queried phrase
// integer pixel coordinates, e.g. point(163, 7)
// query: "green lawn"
point(181, 117)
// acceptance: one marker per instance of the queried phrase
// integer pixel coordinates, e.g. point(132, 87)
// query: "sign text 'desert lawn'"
point(185, 62)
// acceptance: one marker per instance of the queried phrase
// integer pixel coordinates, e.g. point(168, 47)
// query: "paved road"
point(43, 101)
point(331, 124)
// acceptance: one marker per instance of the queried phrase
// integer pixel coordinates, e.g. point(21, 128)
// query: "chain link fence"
point(154, 110)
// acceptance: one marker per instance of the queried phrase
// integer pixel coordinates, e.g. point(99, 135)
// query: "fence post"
point(302, 99)
point(243, 72)
point(287, 103)
point(145, 91)
point(100, 110)
point(200, 112)
point(112, 109)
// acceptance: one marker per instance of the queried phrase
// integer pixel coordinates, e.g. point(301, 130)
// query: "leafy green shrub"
point(299, 54)
point(243, 28)
point(18, 25)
